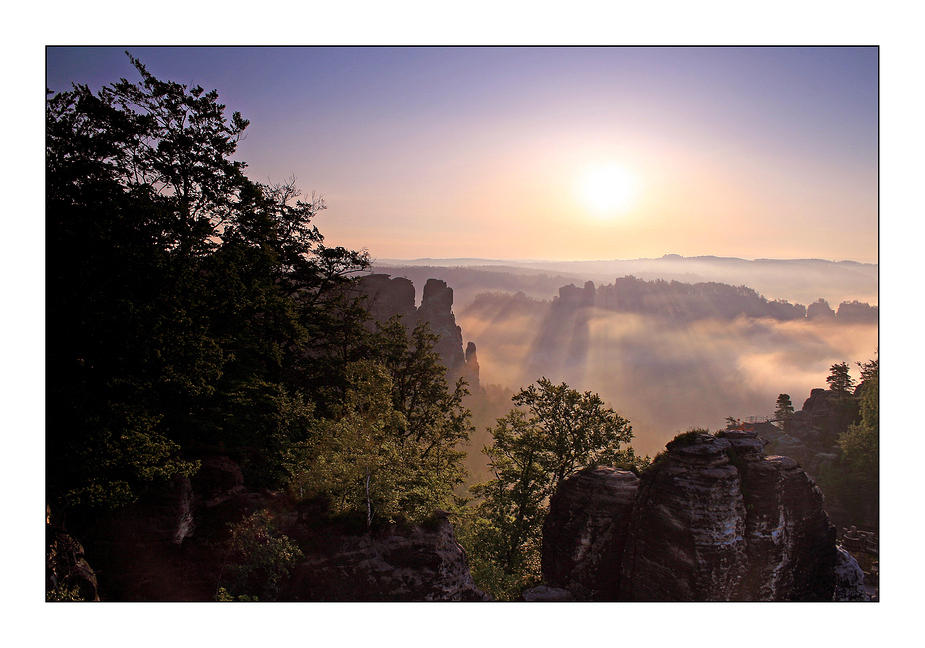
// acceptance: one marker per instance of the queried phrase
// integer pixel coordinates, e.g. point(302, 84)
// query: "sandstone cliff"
point(387, 297)
point(713, 519)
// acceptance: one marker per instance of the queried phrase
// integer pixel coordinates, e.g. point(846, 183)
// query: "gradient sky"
point(481, 152)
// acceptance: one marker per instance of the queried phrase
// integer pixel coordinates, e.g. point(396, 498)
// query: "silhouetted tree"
point(784, 410)
point(840, 380)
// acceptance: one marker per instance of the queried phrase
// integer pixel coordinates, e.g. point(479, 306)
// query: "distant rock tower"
point(471, 368)
point(388, 297)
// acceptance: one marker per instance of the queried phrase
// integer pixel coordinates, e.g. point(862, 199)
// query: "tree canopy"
point(193, 312)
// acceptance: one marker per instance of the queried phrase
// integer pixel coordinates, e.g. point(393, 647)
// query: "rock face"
point(398, 563)
point(687, 532)
point(437, 308)
point(823, 416)
point(849, 579)
point(713, 519)
point(585, 532)
point(153, 551)
point(66, 565)
point(790, 540)
point(471, 371)
point(388, 297)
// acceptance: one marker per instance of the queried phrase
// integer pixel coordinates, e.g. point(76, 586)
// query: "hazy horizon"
point(551, 153)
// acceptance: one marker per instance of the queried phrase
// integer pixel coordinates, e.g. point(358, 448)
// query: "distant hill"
point(796, 280)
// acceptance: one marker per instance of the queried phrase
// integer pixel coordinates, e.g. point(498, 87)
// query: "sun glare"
point(608, 190)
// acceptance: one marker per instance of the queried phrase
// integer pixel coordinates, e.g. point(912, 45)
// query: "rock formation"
point(437, 308)
point(67, 571)
point(686, 539)
point(471, 372)
point(396, 563)
point(713, 519)
point(584, 532)
point(388, 297)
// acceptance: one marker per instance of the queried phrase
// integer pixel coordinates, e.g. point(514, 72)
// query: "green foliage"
point(256, 560)
point(188, 307)
point(562, 431)
point(223, 596)
point(64, 594)
point(860, 443)
point(686, 438)
point(391, 450)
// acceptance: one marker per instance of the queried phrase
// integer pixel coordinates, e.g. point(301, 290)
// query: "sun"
point(608, 190)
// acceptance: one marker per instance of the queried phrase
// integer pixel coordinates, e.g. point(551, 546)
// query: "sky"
point(558, 153)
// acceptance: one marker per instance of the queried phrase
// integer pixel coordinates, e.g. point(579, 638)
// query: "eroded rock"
point(396, 563)
point(585, 532)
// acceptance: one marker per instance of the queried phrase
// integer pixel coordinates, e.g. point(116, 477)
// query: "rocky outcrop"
point(585, 532)
point(823, 417)
point(546, 594)
point(713, 519)
point(849, 579)
point(790, 540)
point(437, 308)
point(687, 532)
point(471, 370)
point(166, 547)
point(138, 549)
point(395, 563)
point(387, 297)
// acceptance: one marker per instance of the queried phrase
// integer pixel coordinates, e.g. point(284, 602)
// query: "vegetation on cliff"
point(552, 432)
point(194, 312)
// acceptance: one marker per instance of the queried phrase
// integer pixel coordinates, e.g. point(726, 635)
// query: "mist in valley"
point(677, 362)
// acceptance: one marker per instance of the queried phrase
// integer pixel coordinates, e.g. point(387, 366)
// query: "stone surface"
point(790, 541)
point(387, 297)
point(687, 531)
point(437, 308)
point(585, 532)
point(67, 567)
point(471, 370)
point(849, 579)
point(713, 519)
point(396, 563)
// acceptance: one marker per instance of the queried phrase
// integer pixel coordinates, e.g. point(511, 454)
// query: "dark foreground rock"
point(713, 519)
point(395, 563)
point(585, 532)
